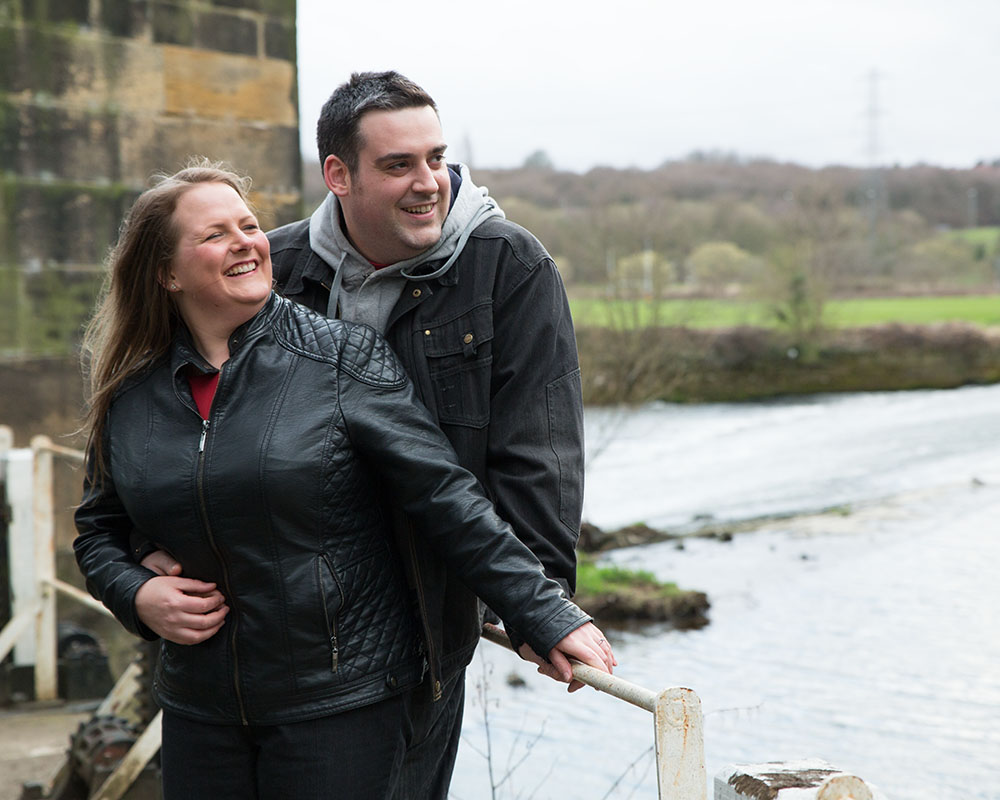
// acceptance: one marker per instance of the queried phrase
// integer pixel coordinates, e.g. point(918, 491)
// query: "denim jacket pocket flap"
point(463, 335)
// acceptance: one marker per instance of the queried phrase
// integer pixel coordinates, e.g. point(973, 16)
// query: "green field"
point(976, 309)
point(987, 237)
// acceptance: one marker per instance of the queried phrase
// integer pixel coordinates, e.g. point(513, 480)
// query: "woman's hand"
point(586, 644)
point(181, 610)
point(162, 563)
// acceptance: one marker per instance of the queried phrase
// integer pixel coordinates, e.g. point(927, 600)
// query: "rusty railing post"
point(680, 745)
point(677, 723)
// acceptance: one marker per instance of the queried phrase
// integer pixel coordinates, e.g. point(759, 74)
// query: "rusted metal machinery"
point(101, 745)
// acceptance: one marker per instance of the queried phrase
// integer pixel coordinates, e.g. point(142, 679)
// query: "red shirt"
point(203, 389)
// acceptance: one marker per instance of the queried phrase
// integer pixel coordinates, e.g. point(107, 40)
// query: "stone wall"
point(97, 95)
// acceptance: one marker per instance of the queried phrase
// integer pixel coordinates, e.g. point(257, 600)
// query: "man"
point(475, 309)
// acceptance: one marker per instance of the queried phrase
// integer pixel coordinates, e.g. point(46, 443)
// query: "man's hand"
point(162, 563)
point(586, 644)
point(181, 610)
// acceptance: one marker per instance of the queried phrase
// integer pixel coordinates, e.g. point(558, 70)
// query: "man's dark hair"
point(337, 132)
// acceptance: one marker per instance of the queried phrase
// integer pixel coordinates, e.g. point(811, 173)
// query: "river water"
point(869, 638)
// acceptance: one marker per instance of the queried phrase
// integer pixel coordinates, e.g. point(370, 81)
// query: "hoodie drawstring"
point(338, 278)
point(473, 223)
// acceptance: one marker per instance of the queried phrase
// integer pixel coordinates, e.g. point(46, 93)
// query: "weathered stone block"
point(227, 33)
point(172, 24)
point(84, 70)
point(278, 210)
point(56, 11)
point(269, 154)
point(88, 113)
point(34, 60)
point(125, 17)
point(8, 231)
point(10, 135)
point(55, 141)
point(807, 779)
point(66, 223)
point(284, 9)
point(247, 5)
point(279, 40)
point(222, 86)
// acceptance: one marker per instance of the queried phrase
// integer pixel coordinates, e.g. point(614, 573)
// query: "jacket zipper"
point(233, 620)
point(432, 663)
point(331, 623)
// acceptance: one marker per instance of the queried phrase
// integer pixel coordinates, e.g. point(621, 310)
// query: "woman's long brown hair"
point(135, 319)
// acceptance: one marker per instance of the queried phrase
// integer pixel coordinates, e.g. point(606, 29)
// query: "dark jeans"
point(353, 754)
point(433, 733)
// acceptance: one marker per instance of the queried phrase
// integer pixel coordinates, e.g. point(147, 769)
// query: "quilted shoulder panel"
point(357, 349)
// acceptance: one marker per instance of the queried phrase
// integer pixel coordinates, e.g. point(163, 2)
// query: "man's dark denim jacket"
point(491, 350)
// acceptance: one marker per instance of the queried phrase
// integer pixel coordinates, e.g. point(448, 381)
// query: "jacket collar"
point(183, 352)
point(310, 268)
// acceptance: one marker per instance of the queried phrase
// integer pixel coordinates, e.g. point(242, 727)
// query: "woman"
point(259, 443)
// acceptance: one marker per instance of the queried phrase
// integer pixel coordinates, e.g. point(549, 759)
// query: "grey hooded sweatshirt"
point(361, 293)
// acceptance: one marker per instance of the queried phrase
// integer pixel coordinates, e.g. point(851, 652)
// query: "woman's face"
point(221, 270)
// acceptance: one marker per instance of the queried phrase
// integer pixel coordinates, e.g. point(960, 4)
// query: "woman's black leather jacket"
point(278, 498)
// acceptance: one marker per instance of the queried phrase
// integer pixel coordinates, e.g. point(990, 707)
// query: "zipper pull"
point(204, 435)
point(334, 652)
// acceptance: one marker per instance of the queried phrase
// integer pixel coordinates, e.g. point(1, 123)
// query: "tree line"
point(714, 226)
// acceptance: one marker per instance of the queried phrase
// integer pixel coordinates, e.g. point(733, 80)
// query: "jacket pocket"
point(332, 601)
point(459, 360)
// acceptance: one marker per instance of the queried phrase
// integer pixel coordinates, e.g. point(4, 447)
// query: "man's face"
point(397, 199)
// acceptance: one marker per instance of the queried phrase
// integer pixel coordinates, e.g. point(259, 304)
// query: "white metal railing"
point(677, 726)
point(677, 718)
point(32, 556)
point(676, 712)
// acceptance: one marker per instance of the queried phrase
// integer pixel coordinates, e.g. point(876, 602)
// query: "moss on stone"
point(172, 25)
point(284, 9)
point(279, 40)
point(8, 220)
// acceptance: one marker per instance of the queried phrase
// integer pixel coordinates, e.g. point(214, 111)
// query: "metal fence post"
point(680, 748)
point(6, 443)
point(46, 640)
point(18, 634)
point(679, 732)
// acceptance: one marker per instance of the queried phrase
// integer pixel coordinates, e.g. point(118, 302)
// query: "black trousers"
point(433, 731)
point(353, 755)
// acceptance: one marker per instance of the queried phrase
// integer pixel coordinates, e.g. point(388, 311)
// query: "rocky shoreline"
point(640, 598)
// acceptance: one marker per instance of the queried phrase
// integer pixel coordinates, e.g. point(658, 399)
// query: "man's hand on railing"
point(586, 644)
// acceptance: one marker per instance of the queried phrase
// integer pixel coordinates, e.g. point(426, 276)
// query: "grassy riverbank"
point(745, 363)
point(615, 595)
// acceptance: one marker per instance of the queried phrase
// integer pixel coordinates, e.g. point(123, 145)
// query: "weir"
point(113, 755)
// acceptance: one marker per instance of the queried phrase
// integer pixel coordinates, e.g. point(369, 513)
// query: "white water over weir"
point(868, 637)
point(27, 474)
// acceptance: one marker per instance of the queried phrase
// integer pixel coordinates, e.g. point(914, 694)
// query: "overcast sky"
point(638, 82)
